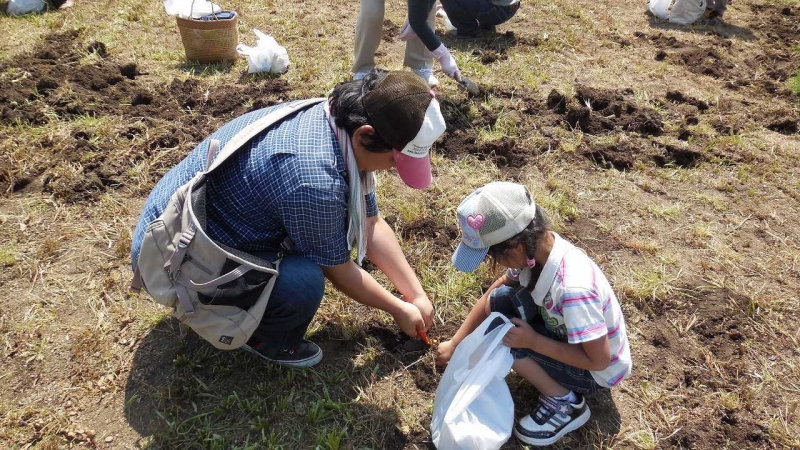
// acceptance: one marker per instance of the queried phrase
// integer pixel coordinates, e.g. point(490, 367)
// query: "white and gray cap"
point(490, 215)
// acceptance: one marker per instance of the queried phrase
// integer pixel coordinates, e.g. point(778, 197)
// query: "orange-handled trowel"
point(424, 336)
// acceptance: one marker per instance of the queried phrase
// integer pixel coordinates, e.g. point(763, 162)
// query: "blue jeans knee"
point(294, 301)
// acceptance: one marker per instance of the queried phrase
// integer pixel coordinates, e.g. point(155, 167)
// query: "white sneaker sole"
point(572, 426)
point(308, 362)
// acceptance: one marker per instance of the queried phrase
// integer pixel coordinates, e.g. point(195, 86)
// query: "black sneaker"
point(552, 420)
point(306, 354)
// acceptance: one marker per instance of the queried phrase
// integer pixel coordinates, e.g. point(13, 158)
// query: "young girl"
point(569, 338)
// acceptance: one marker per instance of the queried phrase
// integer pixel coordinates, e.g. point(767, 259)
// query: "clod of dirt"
point(601, 111)
point(681, 156)
point(557, 102)
point(46, 85)
point(98, 48)
point(504, 152)
point(620, 155)
point(659, 39)
point(705, 62)
point(784, 126)
point(625, 154)
point(83, 135)
point(660, 55)
point(490, 56)
point(680, 97)
point(784, 121)
point(390, 31)
point(128, 71)
point(142, 98)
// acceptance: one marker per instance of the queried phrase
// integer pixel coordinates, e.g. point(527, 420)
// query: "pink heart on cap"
point(475, 221)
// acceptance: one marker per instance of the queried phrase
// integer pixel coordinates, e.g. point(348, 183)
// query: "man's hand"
point(409, 319)
point(425, 308)
point(521, 336)
point(444, 351)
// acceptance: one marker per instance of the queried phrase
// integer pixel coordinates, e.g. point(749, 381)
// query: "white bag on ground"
point(440, 12)
point(20, 7)
point(266, 56)
point(185, 10)
point(473, 407)
point(683, 12)
point(659, 8)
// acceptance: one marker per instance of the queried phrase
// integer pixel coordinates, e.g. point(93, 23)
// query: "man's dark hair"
point(347, 105)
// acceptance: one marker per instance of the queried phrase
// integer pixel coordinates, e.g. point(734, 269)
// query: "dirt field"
point(670, 154)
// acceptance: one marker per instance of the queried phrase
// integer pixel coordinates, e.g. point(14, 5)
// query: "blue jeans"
point(507, 300)
point(295, 299)
point(469, 16)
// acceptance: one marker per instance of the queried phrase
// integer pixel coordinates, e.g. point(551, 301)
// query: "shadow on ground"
point(182, 392)
point(723, 29)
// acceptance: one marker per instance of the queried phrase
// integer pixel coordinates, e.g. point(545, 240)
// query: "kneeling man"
point(306, 185)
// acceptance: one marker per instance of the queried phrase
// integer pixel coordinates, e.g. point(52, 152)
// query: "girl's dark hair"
point(528, 237)
point(347, 105)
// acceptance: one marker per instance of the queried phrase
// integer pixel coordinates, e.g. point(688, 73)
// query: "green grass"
point(794, 84)
point(8, 256)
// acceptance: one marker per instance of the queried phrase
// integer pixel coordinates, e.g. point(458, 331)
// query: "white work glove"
point(442, 54)
point(407, 33)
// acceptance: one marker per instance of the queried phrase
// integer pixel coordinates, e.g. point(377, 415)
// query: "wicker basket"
point(209, 41)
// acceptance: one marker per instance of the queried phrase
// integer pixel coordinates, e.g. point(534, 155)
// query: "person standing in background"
point(422, 45)
point(471, 16)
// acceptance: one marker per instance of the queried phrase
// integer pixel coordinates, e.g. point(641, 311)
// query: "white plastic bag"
point(440, 12)
point(266, 56)
point(473, 407)
point(659, 8)
point(185, 10)
point(685, 12)
point(20, 7)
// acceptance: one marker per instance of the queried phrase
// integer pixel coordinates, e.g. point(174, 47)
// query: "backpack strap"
point(250, 131)
point(213, 149)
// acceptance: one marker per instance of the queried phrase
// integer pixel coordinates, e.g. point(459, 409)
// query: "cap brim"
point(467, 259)
point(415, 172)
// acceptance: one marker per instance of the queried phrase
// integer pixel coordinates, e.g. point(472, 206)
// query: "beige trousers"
point(369, 31)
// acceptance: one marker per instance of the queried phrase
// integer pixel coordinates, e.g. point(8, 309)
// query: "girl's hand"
point(444, 351)
point(521, 336)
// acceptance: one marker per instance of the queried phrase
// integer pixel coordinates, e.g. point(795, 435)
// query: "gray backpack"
point(218, 291)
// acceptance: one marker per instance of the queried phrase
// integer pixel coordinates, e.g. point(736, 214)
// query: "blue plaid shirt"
point(290, 181)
